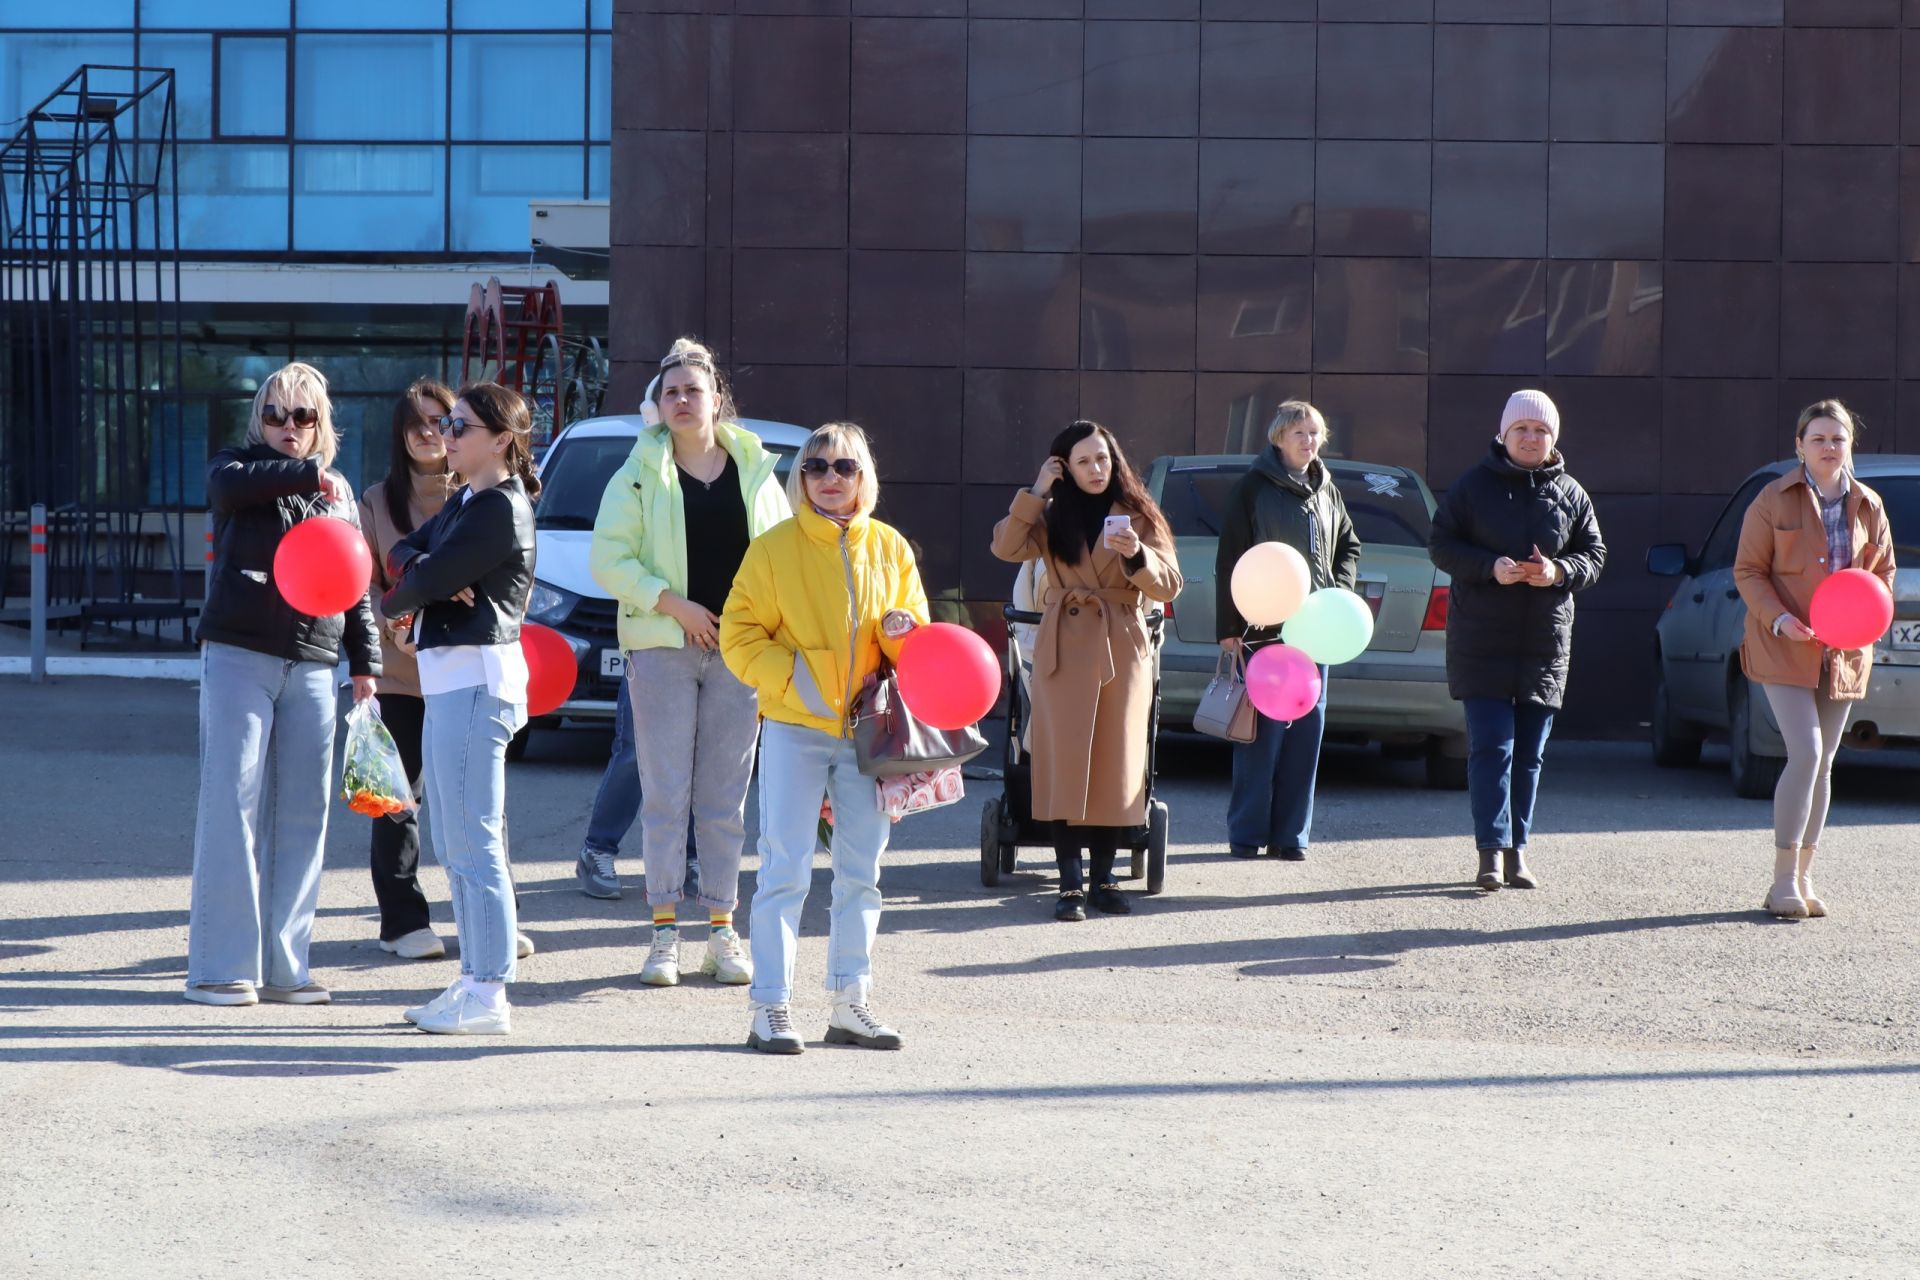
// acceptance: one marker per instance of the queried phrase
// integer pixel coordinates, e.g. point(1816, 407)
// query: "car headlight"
point(550, 604)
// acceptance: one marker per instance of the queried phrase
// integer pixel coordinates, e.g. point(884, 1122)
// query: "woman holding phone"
point(1107, 549)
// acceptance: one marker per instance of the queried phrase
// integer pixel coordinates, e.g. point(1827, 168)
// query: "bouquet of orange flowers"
point(374, 781)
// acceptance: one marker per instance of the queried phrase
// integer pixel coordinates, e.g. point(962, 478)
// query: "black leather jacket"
point(258, 493)
point(481, 540)
point(1268, 505)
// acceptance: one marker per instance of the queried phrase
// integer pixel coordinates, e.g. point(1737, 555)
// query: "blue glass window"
point(253, 87)
point(369, 87)
point(31, 67)
point(231, 197)
point(224, 15)
point(66, 17)
point(191, 60)
point(371, 15)
point(518, 15)
point(597, 172)
point(492, 187)
point(368, 197)
point(600, 82)
point(602, 16)
point(519, 88)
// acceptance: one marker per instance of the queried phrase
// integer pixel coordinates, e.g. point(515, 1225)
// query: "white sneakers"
point(726, 960)
point(421, 944)
point(223, 993)
point(772, 1030)
point(466, 1014)
point(434, 1005)
point(311, 993)
point(662, 968)
point(522, 946)
point(852, 1022)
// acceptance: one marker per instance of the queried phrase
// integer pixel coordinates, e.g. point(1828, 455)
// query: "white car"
point(573, 474)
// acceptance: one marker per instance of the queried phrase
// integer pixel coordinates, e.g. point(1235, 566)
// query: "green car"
point(1396, 692)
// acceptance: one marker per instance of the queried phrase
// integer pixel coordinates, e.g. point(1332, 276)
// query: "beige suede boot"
point(1784, 898)
point(1804, 882)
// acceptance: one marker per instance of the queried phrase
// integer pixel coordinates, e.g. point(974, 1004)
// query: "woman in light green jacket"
point(673, 526)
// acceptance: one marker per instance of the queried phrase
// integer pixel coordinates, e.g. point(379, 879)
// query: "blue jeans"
point(266, 776)
point(465, 741)
point(1271, 803)
point(617, 802)
point(797, 767)
point(1505, 741)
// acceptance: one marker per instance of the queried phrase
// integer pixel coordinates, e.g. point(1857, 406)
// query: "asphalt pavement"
point(1356, 1065)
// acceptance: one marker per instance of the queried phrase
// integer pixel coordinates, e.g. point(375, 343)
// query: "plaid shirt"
point(1833, 515)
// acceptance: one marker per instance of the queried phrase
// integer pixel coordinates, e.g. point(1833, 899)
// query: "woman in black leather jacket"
point(267, 706)
point(461, 582)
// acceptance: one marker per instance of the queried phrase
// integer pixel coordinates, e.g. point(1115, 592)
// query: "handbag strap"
point(1230, 663)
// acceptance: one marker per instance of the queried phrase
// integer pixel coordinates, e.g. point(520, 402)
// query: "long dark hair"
point(399, 461)
point(1068, 510)
point(502, 409)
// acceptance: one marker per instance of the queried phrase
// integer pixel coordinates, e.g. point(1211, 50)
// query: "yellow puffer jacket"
point(802, 625)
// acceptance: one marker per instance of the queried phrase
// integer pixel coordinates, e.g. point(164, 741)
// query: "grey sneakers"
point(852, 1022)
point(595, 873)
point(223, 993)
point(772, 1030)
point(312, 993)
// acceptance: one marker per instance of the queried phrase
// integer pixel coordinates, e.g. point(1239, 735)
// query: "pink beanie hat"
point(1523, 406)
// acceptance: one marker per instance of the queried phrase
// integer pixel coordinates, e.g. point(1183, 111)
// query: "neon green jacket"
point(640, 535)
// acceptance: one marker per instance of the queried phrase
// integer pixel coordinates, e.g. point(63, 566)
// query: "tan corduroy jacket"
point(1782, 559)
point(402, 671)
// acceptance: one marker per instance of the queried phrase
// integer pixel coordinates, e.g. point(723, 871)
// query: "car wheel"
point(1445, 771)
point(1754, 775)
point(1157, 848)
point(1676, 743)
point(990, 850)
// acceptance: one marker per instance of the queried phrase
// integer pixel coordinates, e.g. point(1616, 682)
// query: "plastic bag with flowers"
point(374, 781)
point(907, 793)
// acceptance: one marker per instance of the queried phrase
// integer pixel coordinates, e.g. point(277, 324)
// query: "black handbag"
point(888, 739)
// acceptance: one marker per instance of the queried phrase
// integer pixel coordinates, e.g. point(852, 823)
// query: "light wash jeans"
point(266, 776)
point(465, 741)
point(797, 767)
point(695, 762)
point(617, 801)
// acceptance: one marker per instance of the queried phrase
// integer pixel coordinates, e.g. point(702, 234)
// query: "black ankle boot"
point(1072, 905)
point(1489, 869)
point(1108, 898)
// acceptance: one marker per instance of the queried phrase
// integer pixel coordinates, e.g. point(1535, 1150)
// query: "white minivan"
point(573, 474)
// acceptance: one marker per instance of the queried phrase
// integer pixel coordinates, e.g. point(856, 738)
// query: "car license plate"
point(1904, 635)
point(613, 664)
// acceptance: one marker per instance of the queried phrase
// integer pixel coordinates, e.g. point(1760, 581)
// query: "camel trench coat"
point(1092, 671)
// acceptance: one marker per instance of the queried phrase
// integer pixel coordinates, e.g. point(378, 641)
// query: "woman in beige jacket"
point(1807, 525)
point(1106, 547)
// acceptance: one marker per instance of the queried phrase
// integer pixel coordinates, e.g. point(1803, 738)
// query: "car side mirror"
point(1668, 560)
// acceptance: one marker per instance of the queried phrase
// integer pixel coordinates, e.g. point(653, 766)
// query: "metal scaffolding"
point(90, 355)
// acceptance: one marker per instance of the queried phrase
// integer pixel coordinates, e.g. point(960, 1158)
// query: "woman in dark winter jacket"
point(1518, 536)
point(1288, 496)
point(267, 706)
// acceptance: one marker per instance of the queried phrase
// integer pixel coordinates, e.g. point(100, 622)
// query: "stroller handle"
point(1026, 617)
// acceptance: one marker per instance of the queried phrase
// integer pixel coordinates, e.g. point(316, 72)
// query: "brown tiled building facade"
point(965, 222)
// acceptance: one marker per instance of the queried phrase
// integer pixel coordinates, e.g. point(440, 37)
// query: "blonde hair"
point(1828, 409)
point(688, 353)
point(1291, 412)
point(310, 382)
point(848, 441)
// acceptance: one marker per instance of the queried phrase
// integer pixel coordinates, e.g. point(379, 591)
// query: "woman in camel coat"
point(1106, 546)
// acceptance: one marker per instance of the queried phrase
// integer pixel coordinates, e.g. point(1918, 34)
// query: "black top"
point(257, 495)
point(481, 540)
point(717, 535)
point(1513, 642)
point(1269, 505)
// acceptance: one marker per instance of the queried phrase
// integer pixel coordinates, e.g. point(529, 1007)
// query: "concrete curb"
point(125, 668)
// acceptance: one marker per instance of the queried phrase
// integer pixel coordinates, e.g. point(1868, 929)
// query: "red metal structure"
point(514, 335)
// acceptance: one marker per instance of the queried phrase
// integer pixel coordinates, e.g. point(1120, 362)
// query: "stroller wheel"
point(990, 818)
point(1156, 847)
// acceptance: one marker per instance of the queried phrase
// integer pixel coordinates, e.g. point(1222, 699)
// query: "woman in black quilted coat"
point(1518, 536)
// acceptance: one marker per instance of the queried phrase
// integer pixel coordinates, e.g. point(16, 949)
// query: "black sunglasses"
point(456, 427)
point(845, 468)
point(274, 416)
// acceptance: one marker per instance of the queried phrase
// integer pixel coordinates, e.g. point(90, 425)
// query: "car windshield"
point(1387, 507)
point(1902, 496)
point(577, 474)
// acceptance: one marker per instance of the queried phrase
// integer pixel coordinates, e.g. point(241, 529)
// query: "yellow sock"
point(722, 920)
point(665, 917)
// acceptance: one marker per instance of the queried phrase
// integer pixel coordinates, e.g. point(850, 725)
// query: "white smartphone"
point(1113, 524)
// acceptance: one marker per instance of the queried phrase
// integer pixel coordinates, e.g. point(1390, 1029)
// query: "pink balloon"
point(1283, 682)
point(1850, 610)
point(949, 677)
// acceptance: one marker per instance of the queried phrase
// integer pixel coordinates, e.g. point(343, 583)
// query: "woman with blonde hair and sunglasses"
point(267, 706)
point(820, 602)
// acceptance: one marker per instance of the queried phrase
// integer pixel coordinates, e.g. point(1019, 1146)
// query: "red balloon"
point(949, 677)
point(1282, 682)
point(322, 566)
point(551, 667)
point(1850, 610)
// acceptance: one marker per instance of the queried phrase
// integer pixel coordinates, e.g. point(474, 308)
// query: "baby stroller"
point(1006, 822)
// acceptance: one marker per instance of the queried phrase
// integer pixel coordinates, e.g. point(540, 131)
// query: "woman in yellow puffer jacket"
point(818, 603)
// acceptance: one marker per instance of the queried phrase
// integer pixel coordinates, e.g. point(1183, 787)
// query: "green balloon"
point(1333, 625)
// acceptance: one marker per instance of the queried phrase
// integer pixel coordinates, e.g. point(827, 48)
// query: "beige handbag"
point(1225, 710)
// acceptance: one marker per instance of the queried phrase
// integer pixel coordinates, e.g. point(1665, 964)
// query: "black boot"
point(1489, 869)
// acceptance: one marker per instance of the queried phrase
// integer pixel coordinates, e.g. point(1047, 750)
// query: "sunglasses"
point(274, 416)
point(845, 468)
point(456, 427)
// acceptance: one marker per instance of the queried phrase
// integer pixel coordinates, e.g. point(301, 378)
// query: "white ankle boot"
point(1784, 898)
point(852, 1022)
point(1804, 882)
